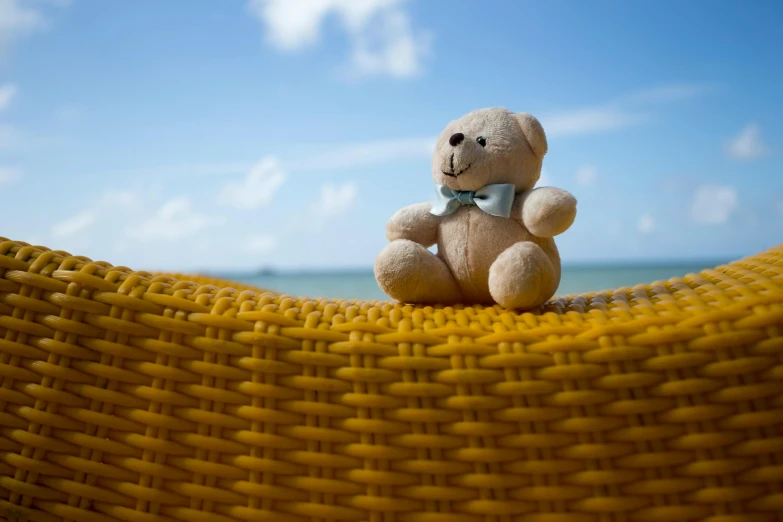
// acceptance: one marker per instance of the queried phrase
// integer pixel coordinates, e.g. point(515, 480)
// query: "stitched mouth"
point(455, 174)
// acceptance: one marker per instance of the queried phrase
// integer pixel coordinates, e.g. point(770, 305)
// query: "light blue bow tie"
point(495, 200)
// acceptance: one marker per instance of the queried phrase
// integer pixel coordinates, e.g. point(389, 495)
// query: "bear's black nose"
point(456, 139)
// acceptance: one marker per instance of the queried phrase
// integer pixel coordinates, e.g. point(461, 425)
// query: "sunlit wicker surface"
point(128, 396)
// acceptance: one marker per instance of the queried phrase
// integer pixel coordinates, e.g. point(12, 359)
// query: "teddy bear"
point(494, 231)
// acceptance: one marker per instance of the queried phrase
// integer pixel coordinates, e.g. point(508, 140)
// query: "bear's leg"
point(410, 273)
point(522, 276)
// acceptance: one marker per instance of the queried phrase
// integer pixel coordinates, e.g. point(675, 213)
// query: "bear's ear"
point(533, 132)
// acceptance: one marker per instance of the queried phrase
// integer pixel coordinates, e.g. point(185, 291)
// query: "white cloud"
point(17, 20)
point(258, 187)
point(73, 225)
point(108, 205)
point(291, 26)
point(340, 156)
point(7, 93)
point(621, 113)
point(334, 200)
point(368, 153)
point(713, 204)
point(747, 144)
point(589, 120)
point(176, 219)
point(9, 175)
point(586, 175)
point(380, 31)
point(394, 49)
point(669, 93)
point(261, 243)
point(646, 224)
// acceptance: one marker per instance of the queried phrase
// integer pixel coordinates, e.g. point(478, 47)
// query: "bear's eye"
point(482, 141)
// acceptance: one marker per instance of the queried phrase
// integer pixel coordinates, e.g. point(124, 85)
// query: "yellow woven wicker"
point(142, 398)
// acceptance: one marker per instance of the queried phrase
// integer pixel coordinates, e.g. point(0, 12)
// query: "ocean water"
point(362, 285)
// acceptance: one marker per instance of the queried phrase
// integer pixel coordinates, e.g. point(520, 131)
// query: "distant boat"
point(265, 271)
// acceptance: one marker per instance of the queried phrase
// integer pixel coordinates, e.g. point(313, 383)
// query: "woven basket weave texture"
point(130, 396)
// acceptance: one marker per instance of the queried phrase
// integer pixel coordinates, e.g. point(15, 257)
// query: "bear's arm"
point(414, 223)
point(548, 211)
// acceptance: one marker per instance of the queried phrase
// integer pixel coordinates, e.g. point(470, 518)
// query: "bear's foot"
point(522, 277)
point(408, 272)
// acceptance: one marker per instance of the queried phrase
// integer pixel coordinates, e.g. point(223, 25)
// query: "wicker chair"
point(130, 396)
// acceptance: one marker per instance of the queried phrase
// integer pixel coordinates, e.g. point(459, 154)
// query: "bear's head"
point(489, 146)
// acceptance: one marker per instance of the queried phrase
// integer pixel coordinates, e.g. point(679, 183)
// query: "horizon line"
point(706, 263)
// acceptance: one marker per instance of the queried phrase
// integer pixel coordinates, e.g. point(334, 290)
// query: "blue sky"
point(234, 134)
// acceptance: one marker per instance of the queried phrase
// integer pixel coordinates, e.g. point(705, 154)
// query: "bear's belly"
point(469, 242)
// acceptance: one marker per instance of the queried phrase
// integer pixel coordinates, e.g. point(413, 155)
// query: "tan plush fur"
point(481, 258)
